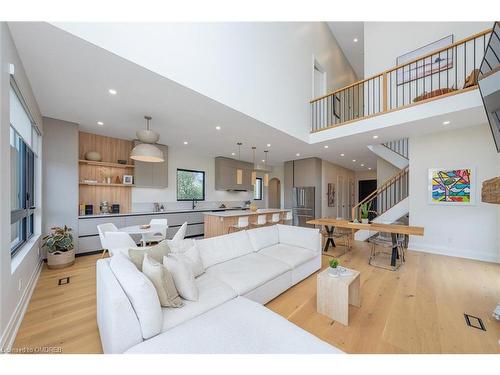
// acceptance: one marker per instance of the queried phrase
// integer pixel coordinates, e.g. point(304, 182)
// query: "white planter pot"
point(364, 221)
point(60, 259)
point(333, 271)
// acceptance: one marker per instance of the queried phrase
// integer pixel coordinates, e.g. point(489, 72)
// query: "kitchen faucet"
point(194, 204)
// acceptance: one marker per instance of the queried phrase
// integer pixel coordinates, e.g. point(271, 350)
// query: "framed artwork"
point(128, 179)
point(427, 67)
point(331, 195)
point(452, 186)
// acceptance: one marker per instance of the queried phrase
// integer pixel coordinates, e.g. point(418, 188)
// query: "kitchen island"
point(218, 223)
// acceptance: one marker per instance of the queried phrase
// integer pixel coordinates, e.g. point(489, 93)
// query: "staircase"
point(389, 203)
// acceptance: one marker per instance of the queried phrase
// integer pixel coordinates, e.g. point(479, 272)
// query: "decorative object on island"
point(451, 186)
point(266, 175)
point(93, 156)
point(239, 171)
point(254, 171)
point(60, 248)
point(147, 151)
point(128, 179)
point(331, 195)
point(490, 192)
point(253, 207)
point(365, 211)
point(333, 270)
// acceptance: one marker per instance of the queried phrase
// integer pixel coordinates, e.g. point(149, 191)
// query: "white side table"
point(335, 294)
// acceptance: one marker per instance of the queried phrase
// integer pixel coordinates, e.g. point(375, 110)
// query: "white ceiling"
point(71, 77)
point(345, 32)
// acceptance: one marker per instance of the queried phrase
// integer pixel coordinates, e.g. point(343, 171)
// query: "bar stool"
point(261, 221)
point(275, 219)
point(287, 218)
point(240, 225)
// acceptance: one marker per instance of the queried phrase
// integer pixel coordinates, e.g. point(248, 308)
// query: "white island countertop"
point(236, 213)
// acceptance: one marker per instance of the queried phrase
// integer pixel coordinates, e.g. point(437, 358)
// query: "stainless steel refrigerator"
point(303, 205)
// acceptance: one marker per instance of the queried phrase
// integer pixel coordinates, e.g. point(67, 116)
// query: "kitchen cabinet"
point(226, 172)
point(153, 175)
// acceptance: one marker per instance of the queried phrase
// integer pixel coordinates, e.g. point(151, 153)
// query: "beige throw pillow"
point(156, 252)
point(183, 277)
point(163, 282)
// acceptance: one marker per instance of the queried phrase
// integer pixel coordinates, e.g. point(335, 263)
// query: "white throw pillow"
point(183, 277)
point(162, 281)
point(192, 258)
point(181, 233)
point(141, 293)
point(180, 246)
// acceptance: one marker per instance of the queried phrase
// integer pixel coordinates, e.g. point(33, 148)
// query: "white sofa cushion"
point(239, 326)
point(220, 249)
point(308, 238)
point(248, 272)
point(141, 293)
point(291, 255)
point(263, 237)
point(183, 277)
point(211, 293)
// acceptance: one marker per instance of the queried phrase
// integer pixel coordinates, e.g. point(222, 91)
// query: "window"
point(24, 138)
point(190, 185)
point(257, 190)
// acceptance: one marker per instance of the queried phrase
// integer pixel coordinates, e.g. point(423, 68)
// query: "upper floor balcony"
point(431, 78)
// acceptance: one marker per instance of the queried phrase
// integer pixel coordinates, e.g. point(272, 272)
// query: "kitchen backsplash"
point(149, 207)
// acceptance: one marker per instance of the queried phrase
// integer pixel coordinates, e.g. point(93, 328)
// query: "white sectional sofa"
point(256, 265)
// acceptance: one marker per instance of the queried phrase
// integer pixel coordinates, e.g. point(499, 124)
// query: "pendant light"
point(266, 175)
point(254, 172)
point(147, 151)
point(239, 171)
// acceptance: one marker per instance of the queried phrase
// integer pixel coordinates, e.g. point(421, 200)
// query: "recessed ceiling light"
point(355, 40)
point(297, 154)
point(185, 142)
point(268, 145)
point(446, 122)
point(375, 136)
point(362, 165)
point(217, 128)
point(112, 91)
point(354, 160)
point(369, 169)
point(325, 146)
point(100, 123)
point(342, 154)
point(263, 161)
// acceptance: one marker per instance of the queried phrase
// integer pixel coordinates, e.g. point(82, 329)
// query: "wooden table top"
point(376, 227)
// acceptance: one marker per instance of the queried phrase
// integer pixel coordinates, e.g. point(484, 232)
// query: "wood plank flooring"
point(417, 309)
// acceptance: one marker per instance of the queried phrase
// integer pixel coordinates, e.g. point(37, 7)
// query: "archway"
point(274, 193)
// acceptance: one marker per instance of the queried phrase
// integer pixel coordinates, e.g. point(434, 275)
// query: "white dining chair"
point(160, 226)
point(119, 242)
point(102, 229)
point(287, 218)
point(261, 221)
point(275, 218)
point(240, 225)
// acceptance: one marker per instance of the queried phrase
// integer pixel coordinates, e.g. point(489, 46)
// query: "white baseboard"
point(10, 333)
point(461, 253)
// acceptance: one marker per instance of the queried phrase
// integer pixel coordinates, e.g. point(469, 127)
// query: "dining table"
point(143, 232)
point(394, 229)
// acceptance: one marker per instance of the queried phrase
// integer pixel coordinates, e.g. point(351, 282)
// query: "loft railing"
point(386, 196)
point(446, 71)
point(399, 147)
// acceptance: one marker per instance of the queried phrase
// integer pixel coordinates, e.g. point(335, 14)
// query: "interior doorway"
point(274, 193)
point(365, 188)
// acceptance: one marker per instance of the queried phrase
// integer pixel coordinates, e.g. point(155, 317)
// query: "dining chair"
point(119, 241)
point(382, 244)
point(240, 225)
point(161, 226)
point(102, 229)
point(275, 219)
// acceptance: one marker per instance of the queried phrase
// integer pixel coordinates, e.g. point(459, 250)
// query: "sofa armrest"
point(118, 324)
point(308, 238)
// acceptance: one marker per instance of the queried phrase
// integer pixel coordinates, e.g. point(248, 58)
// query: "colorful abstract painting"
point(453, 186)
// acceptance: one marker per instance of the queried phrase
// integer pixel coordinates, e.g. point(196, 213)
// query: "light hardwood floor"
point(417, 309)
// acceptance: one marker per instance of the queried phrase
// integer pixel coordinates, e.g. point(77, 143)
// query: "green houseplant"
point(60, 247)
point(333, 270)
point(365, 209)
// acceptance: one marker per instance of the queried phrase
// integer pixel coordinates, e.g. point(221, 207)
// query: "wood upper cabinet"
point(225, 174)
point(154, 175)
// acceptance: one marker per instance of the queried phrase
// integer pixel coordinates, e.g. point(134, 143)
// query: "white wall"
point(385, 41)
point(385, 171)
point(264, 70)
point(462, 231)
point(329, 174)
point(15, 273)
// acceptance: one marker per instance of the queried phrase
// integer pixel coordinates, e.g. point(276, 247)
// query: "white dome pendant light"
point(254, 172)
point(147, 151)
point(239, 171)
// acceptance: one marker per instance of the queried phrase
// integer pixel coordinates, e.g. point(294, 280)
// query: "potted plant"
point(365, 209)
point(333, 270)
point(60, 248)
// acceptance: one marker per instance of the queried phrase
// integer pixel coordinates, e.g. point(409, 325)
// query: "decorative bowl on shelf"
point(145, 226)
point(121, 161)
point(93, 156)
